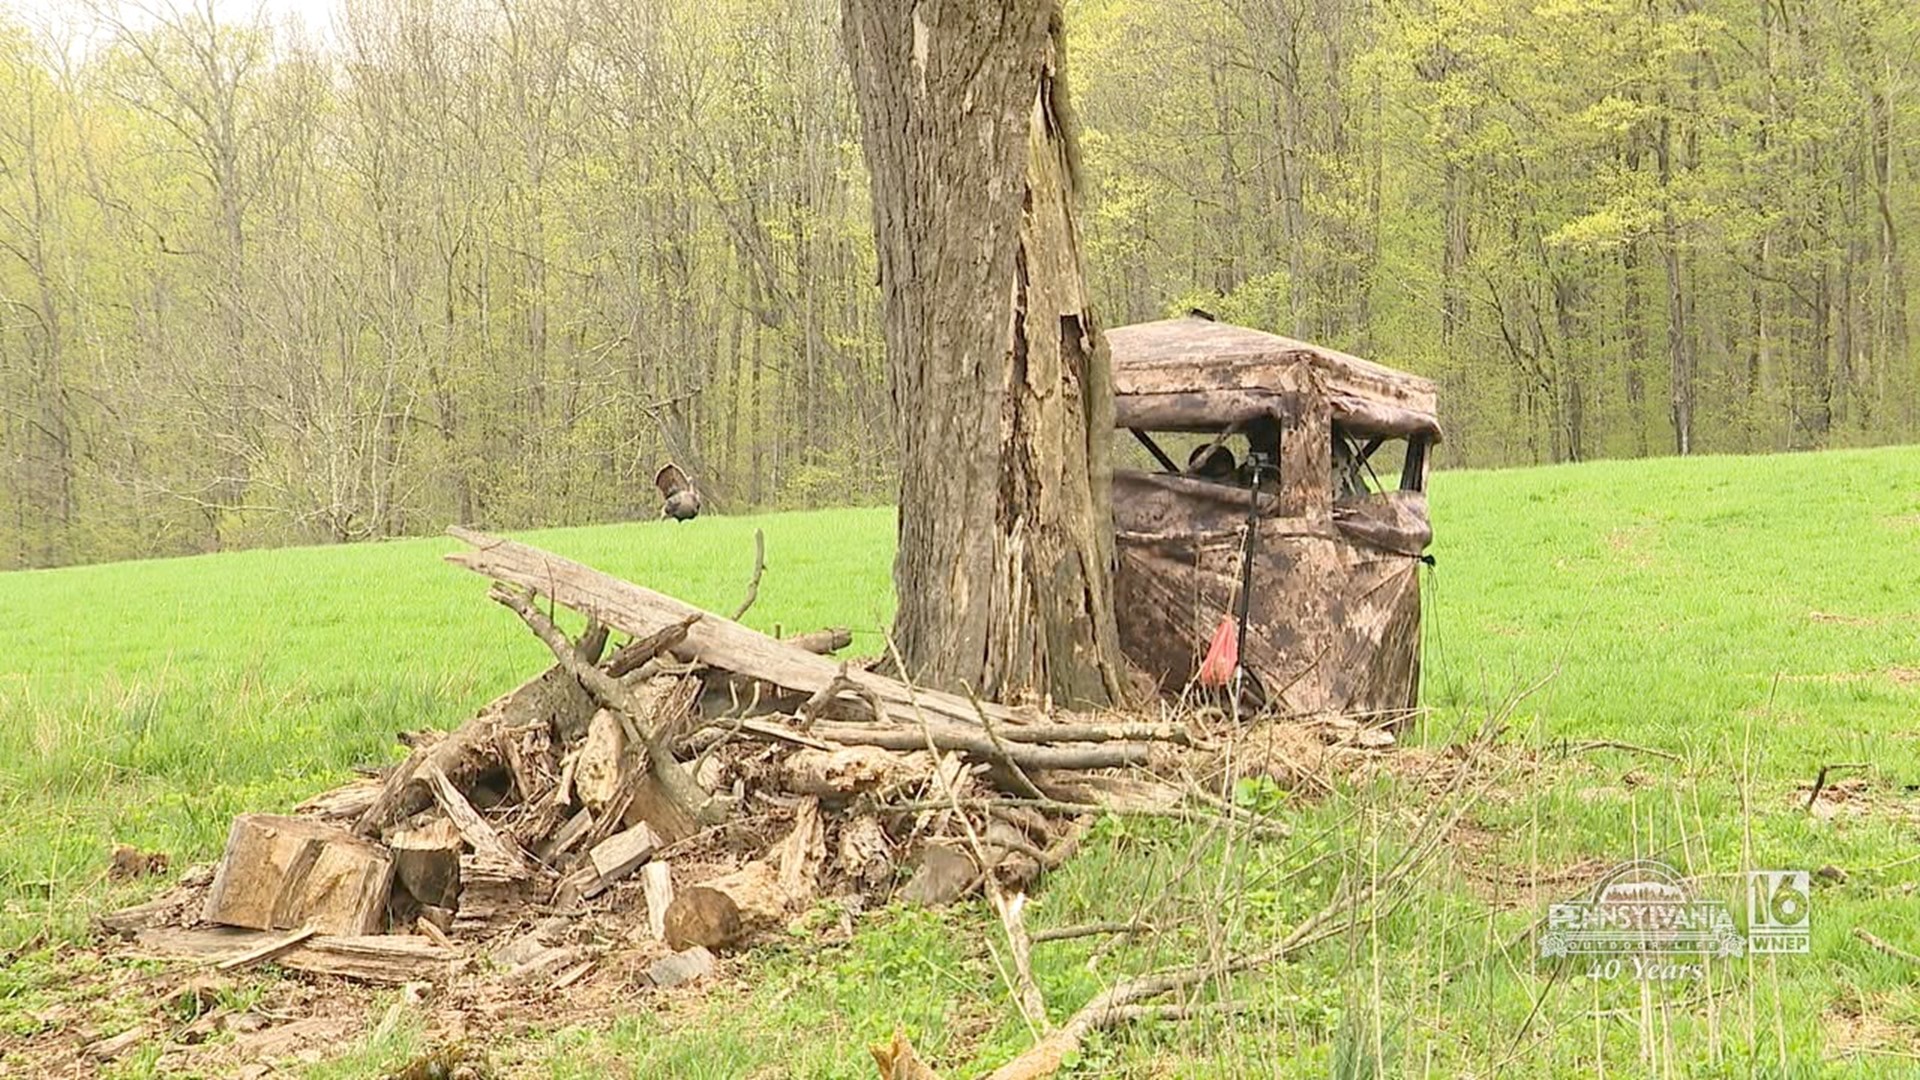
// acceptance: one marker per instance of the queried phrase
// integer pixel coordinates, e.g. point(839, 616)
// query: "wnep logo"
point(1779, 912)
point(1642, 919)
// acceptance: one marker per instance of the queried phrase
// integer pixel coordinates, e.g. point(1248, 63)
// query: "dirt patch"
point(1896, 674)
point(1530, 888)
point(1629, 542)
point(1847, 797)
point(1834, 618)
point(1853, 1031)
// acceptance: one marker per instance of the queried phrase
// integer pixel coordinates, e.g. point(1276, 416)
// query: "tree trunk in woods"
point(1002, 394)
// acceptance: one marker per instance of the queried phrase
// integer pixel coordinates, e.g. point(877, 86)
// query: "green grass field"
point(1734, 623)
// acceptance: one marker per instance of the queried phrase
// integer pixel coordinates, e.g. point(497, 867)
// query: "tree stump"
point(426, 862)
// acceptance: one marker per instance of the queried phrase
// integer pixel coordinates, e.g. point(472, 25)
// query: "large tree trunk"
point(1002, 396)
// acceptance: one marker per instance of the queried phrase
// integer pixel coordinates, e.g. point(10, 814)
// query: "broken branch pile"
point(708, 778)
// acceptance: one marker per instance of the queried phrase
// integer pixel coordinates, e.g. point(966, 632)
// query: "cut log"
point(611, 860)
point(281, 872)
point(618, 855)
point(656, 884)
point(392, 959)
point(836, 775)
point(491, 890)
point(727, 911)
point(426, 863)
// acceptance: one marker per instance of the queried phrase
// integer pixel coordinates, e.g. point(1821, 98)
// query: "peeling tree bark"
point(1002, 396)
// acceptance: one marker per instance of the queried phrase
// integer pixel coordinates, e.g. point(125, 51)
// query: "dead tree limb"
point(675, 784)
point(714, 641)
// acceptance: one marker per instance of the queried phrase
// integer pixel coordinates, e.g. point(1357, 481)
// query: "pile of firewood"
point(711, 780)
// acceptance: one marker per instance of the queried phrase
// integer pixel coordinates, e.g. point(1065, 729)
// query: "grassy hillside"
point(1733, 623)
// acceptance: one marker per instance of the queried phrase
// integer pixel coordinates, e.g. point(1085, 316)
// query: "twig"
point(1611, 744)
point(753, 583)
point(1820, 781)
point(1068, 933)
point(1022, 783)
point(1881, 944)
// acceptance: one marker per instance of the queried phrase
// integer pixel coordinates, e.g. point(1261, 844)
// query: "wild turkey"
point(682, 498)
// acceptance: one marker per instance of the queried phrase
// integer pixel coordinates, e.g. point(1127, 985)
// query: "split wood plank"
point(617, 856)
point(391, 959)
point(472, 826)
point(656, 884)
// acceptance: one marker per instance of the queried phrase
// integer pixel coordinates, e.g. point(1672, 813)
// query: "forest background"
point(270, 280)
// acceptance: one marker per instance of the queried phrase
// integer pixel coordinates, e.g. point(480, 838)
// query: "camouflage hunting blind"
point(1326, 455)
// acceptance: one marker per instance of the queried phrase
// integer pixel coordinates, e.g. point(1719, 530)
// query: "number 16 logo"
point(1779, 911)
